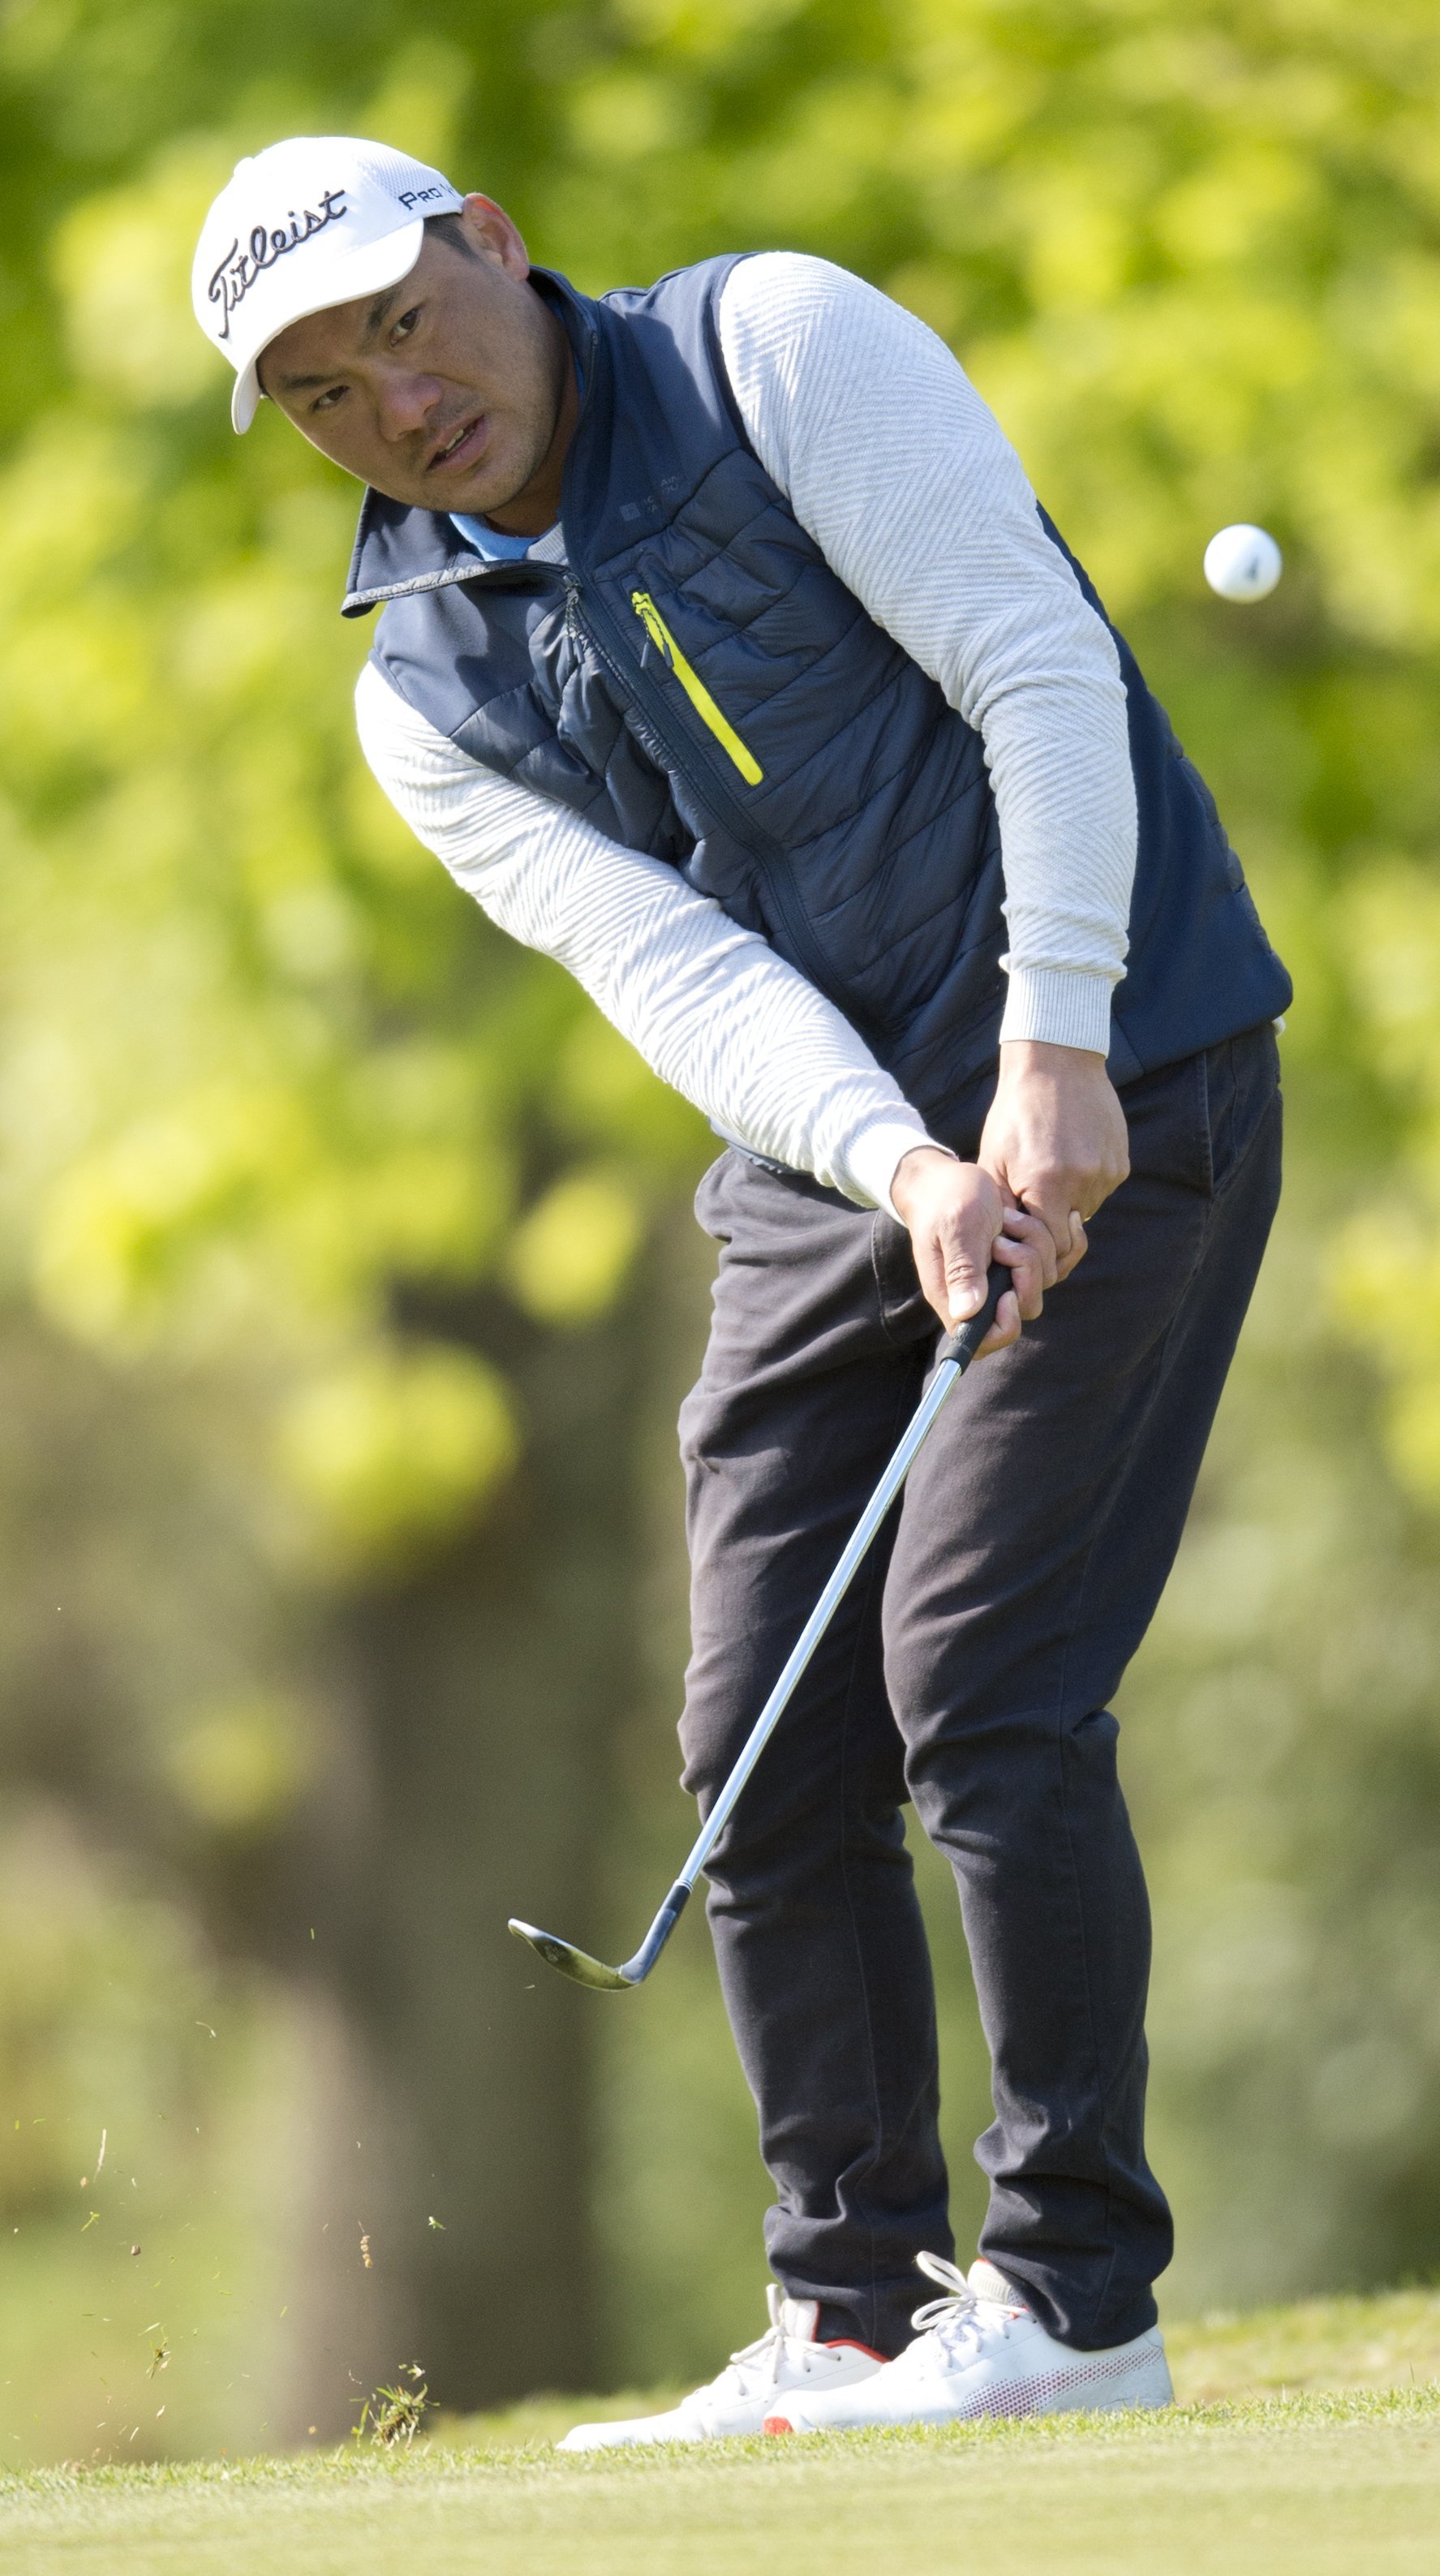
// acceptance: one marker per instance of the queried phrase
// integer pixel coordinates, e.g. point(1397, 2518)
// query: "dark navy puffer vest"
point(703, 687)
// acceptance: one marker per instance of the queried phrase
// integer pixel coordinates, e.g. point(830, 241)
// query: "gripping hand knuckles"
point(1029, 1248)
point(1079, 1246)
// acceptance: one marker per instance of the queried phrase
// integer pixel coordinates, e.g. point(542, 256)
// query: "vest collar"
point(400, 550)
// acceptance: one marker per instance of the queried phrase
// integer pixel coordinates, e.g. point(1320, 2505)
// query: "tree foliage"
point(261, 1061)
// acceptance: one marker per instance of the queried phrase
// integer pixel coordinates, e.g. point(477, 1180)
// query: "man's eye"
point(327, 401)
point(406, 323)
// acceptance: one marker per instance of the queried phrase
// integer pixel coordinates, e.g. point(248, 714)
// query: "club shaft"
point(820, 1617)
point(954, 1357)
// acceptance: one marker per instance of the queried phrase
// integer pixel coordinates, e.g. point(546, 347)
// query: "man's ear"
point(494, 235)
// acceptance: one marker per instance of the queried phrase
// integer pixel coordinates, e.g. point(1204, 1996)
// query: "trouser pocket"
point(1242, 1081)
point(1191, 1124)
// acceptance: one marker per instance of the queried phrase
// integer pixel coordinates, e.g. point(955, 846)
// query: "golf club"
point(952, 1359)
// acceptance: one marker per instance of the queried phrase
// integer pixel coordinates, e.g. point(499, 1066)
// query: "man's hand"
point(959, 1223)
point(1053, 1149)
point(1055, 1140)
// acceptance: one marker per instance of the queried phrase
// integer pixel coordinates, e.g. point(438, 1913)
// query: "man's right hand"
point(959, 1222)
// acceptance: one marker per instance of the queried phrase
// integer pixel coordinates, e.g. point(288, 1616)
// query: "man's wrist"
point(912, 1170)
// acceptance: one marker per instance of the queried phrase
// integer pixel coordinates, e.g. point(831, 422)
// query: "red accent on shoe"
point(852, 2343)
point(776, 2424)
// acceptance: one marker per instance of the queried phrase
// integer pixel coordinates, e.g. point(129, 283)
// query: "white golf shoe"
point(751, 2387)
point(981, 2351)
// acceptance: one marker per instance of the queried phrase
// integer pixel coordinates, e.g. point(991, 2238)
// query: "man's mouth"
point(461, 447)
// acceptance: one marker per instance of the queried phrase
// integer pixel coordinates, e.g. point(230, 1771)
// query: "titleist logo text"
point(239, 269)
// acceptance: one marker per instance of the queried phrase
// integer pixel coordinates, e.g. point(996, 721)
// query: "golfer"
point(727, 656)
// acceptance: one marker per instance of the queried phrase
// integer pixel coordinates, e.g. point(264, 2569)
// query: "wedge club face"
point(586, 1971)
point(573, 1963)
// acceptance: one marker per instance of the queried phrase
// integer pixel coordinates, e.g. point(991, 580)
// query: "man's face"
point(446, 391)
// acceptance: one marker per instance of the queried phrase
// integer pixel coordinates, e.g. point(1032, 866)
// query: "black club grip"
point(966, 1339)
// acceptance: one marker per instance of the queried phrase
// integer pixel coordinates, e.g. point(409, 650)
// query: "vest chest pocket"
point(695, 690)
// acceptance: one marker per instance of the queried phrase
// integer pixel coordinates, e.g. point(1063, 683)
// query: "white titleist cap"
point(310, 223)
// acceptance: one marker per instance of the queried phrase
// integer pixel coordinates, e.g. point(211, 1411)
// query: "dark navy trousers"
point(970, 1672)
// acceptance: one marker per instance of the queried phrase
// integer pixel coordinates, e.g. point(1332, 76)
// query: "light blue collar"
point(490, 542)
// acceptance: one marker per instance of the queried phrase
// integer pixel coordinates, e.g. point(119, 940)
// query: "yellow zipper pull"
point(695, 689)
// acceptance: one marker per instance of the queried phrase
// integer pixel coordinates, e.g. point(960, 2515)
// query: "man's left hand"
point(1055, 1139)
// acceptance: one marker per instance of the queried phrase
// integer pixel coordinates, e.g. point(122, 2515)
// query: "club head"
point(571, 1962)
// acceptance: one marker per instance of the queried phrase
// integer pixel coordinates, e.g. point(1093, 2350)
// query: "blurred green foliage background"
point(348, 1284)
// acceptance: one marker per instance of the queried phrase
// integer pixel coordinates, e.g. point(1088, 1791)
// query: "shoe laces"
point(958, 2320)
point(758, 2365)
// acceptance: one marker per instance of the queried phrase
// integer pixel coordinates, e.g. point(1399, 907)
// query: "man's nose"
point(406, 402)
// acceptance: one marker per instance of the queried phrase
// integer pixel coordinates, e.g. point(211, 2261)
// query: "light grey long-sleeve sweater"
point(906, 482)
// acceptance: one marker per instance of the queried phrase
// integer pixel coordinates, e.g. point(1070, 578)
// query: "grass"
point(1308, 2439)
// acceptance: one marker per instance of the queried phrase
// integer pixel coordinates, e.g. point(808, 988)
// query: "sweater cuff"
point(1058, 1006)
point(873, 1157)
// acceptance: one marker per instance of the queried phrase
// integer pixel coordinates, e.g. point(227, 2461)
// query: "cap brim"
point(363, 272)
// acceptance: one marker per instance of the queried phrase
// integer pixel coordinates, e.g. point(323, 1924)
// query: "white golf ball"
point(1243, 563)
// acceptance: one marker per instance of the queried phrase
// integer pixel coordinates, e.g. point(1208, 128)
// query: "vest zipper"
point(695, 689)
point(593, 624)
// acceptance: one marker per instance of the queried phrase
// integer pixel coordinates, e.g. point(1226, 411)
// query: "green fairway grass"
point(1306, 2474)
